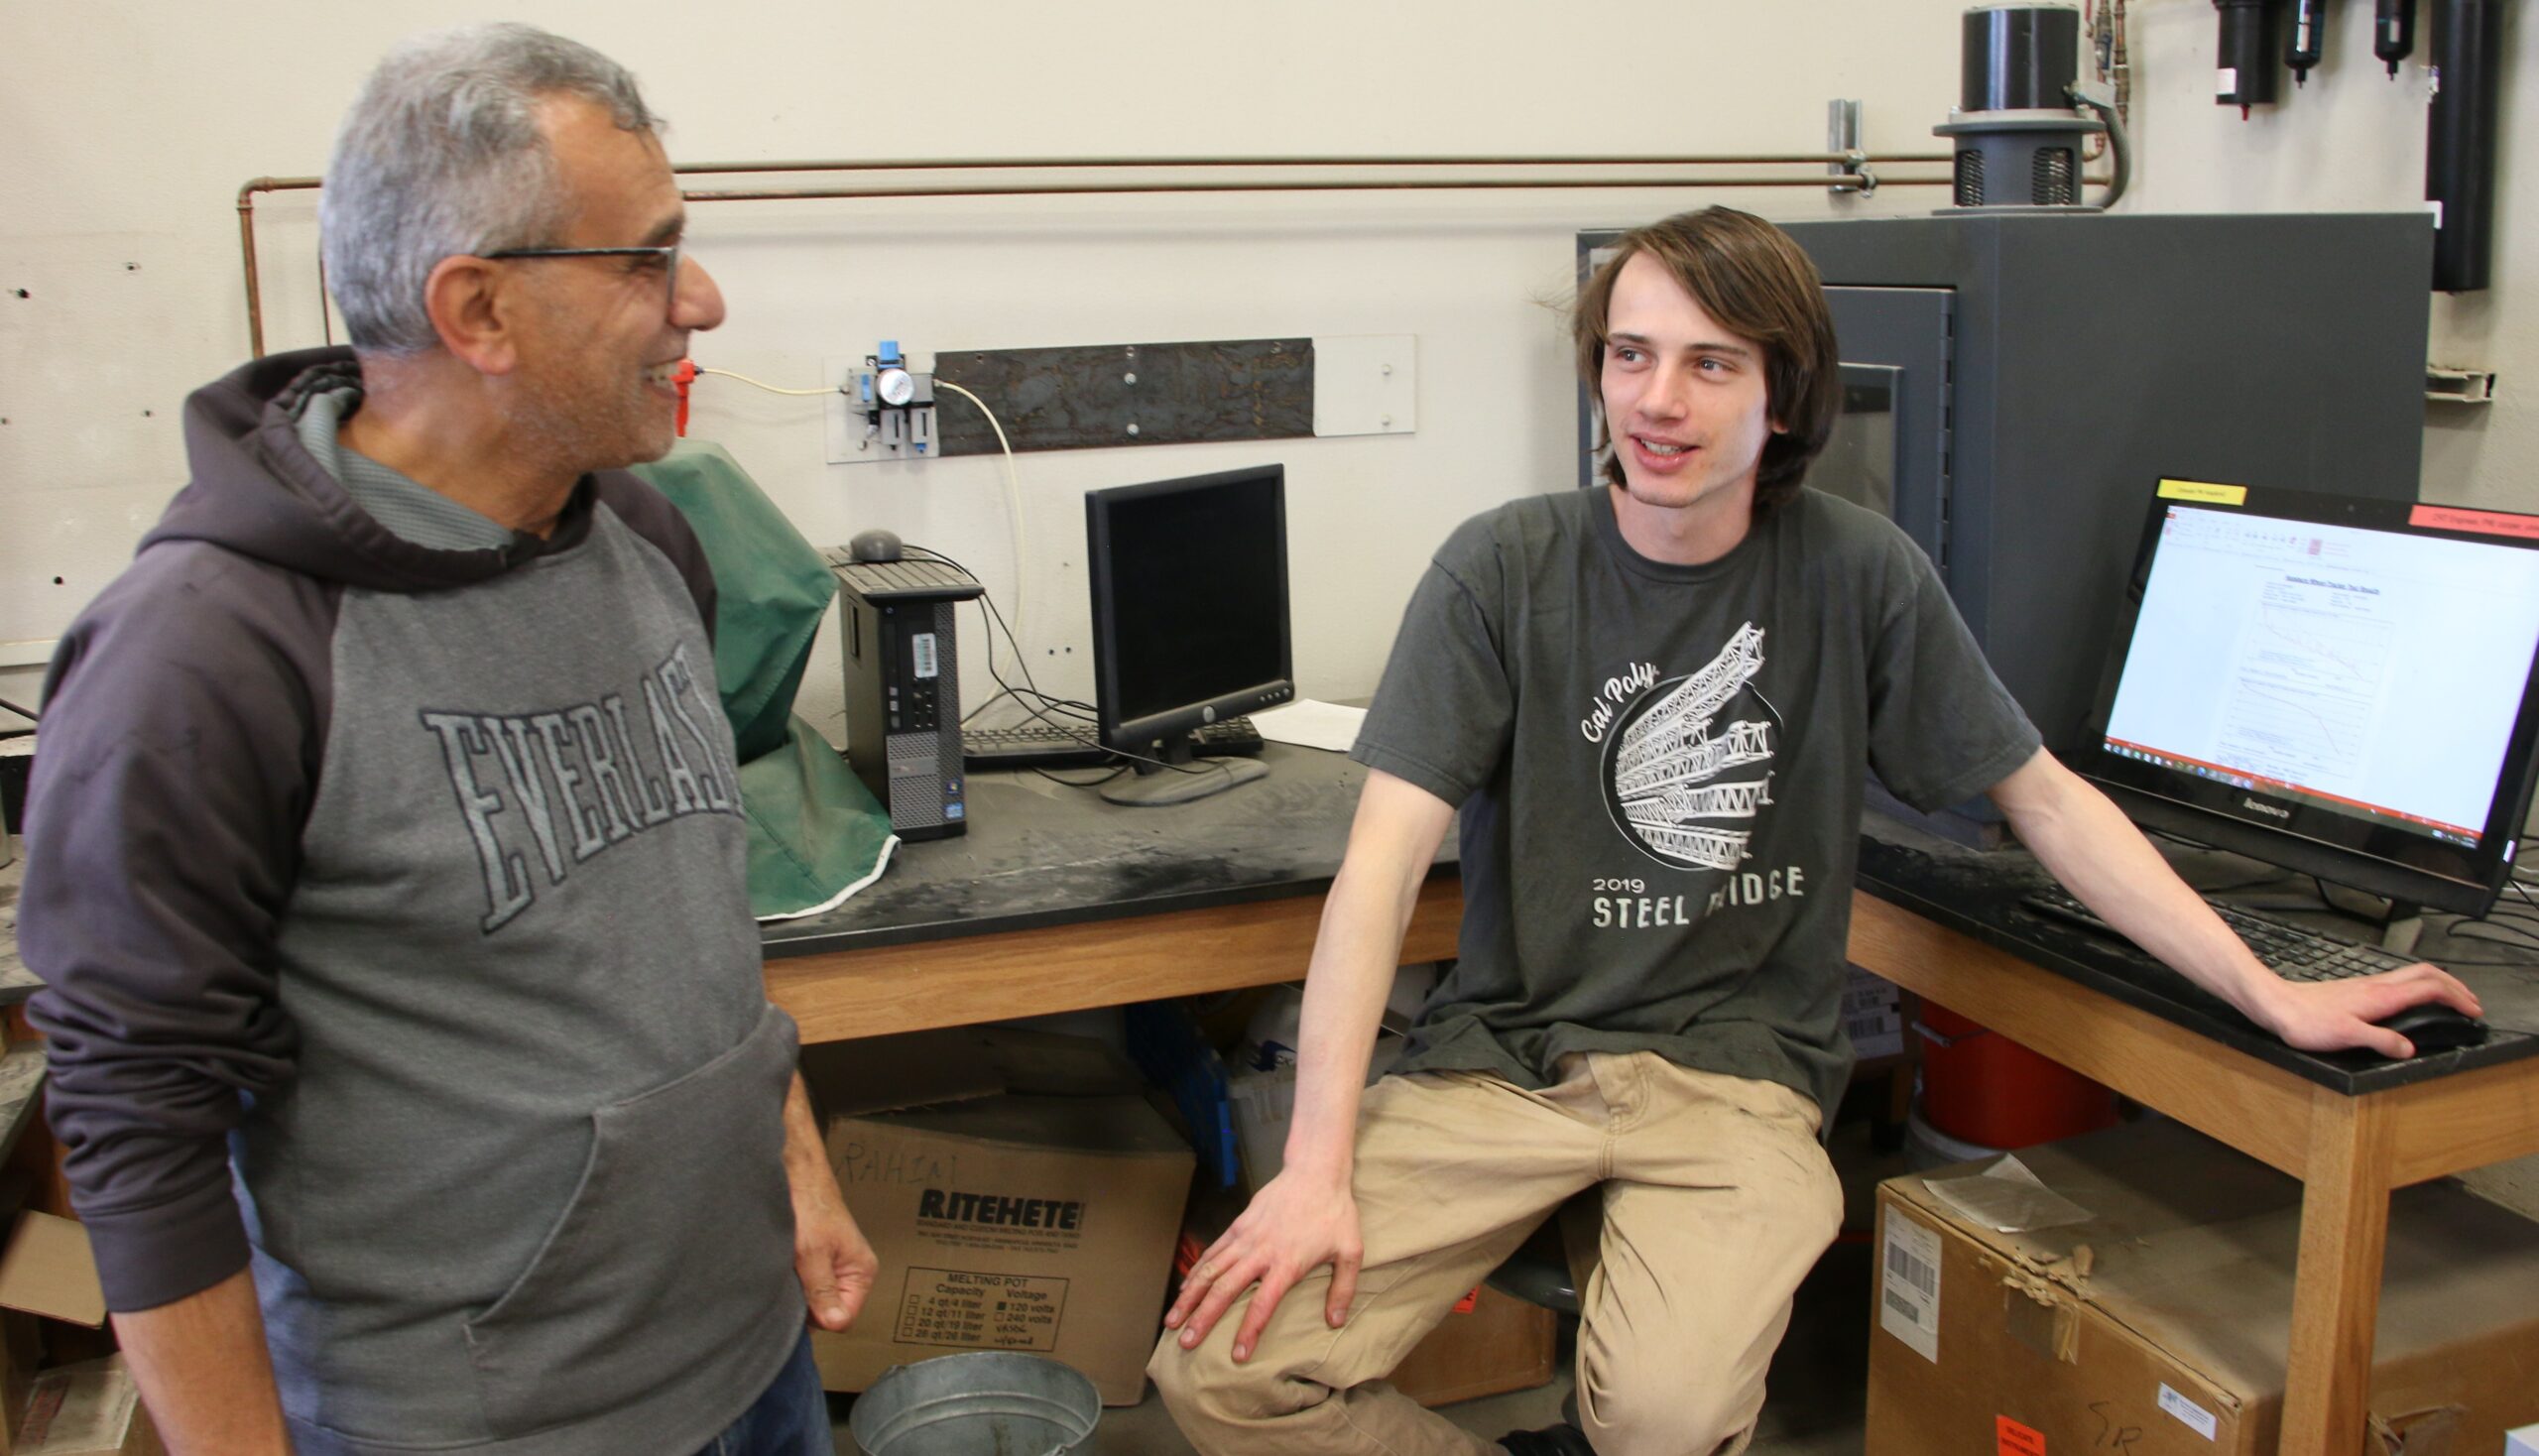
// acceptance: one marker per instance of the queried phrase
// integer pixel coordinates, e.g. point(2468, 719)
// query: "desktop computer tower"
point(904, 689)
point(2015, 386)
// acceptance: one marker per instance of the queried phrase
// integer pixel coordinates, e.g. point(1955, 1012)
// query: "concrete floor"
point(1818, 1386)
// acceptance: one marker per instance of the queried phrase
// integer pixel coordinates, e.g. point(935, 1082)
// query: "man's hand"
point(2329, 1016)
point(830, 1254)
point(1295, 1226)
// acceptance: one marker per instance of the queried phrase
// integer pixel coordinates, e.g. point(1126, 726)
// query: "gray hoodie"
point(390, 903)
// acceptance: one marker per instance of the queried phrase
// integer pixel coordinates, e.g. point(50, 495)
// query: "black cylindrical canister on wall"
point(2250, 53)
point(2017, 58)
point(2467, 51)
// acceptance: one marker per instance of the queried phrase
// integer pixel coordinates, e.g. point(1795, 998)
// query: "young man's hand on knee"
point(1296, 1224)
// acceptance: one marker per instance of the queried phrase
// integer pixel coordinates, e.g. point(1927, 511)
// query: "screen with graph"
point(2339, 686)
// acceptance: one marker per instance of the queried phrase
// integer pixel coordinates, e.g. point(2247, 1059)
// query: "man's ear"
point(474, 316)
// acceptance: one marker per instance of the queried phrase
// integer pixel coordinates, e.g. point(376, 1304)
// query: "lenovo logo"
point(2268, 810)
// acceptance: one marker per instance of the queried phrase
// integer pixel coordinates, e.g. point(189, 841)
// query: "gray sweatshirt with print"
point(390, 903)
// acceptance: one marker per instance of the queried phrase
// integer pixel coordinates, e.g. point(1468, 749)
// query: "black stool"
point(1540, 1272)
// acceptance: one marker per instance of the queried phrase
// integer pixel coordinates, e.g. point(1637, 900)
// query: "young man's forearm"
point(1355, 958)
point(1356, 953)
point(205, 1374)
point(2096, 853)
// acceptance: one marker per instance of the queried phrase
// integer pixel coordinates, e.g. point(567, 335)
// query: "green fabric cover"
point(816, 834)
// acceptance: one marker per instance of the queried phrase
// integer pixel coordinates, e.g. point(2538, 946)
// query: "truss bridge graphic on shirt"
point(1686, 773)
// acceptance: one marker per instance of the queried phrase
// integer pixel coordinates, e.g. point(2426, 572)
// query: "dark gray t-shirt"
point(1660, 770)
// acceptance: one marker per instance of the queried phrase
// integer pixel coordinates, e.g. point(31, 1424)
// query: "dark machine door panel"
point(1891, 448)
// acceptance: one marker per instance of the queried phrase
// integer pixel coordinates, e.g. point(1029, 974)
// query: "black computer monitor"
point(1189, 621)
point(2341, 686)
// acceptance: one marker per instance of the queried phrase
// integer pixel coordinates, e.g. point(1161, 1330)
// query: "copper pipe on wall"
point(247, 249)
point(255, 296)
point(1053, 189)
point(1054, 164)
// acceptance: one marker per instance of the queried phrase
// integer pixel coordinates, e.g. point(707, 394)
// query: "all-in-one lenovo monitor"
point(2341, 686)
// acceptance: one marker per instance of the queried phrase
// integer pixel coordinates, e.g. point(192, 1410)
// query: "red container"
point(1979, 1086)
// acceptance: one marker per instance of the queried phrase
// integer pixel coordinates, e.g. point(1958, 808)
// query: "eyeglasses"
point(666, 257)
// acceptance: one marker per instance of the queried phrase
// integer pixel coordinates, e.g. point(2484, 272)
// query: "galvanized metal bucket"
point(990, 1401)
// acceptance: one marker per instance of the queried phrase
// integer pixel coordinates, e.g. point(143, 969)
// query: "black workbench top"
point(1040, 853)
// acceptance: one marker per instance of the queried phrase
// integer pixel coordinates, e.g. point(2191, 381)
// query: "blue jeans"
point(791, 1418)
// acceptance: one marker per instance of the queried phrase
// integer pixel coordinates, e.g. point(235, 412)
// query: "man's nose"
point(698, 302)
point(1664, 399)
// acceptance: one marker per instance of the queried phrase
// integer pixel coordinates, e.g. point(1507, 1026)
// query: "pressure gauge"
point(896, 385)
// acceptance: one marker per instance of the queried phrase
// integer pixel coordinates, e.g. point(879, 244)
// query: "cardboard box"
point(1872, 1013)
point(1008, 1222)
point(91, 1408)
point(45, 1271)
point(1501, 1344)
point(2157, 1321)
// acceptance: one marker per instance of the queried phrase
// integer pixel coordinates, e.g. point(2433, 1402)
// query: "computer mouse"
point(875, 546)
point(2434, 1027)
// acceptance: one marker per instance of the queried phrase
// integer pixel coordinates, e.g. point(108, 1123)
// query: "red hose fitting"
point(685, 376)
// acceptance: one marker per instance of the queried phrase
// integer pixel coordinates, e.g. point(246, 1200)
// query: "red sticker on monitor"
point(2480, 523)
point(2016, 1439)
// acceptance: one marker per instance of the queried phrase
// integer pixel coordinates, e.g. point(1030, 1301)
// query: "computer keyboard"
point(2290, 952)
point(1034, 745)
point(1233, 738)
point(1039, 744)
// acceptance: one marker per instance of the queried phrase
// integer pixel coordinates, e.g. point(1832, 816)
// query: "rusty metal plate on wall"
point(1081, 397)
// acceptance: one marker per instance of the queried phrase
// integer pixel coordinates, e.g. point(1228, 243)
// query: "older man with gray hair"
point(410, 1057)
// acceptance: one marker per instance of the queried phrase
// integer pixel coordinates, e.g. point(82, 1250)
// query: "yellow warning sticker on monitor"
point(2205, 491)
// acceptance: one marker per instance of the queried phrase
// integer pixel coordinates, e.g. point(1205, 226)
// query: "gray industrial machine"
point(2015, 386)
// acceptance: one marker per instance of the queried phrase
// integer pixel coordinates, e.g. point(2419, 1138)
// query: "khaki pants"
point(1716, 1200)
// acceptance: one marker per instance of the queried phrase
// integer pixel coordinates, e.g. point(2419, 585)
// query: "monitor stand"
point(1187, 778)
